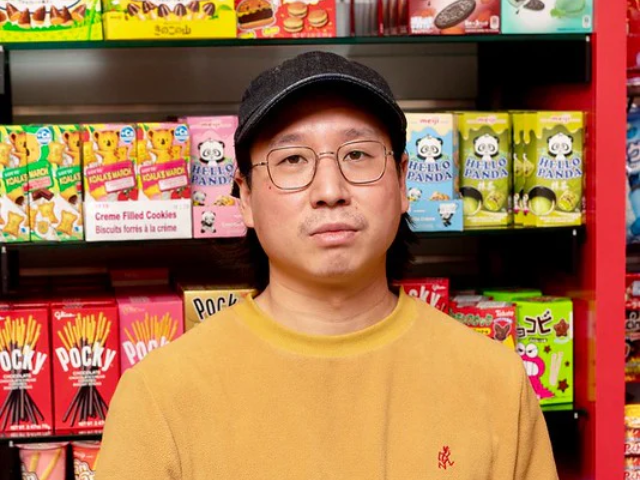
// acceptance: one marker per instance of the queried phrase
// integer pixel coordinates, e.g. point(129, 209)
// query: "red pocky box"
point(496, 320)
point(87, 365)
point(454, 17)
point(25, 370)
point(434, 291)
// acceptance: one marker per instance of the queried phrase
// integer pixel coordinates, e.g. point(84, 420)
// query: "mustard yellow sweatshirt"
point(417, 396)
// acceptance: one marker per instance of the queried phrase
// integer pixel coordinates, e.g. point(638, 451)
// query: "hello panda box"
point(215, 212)
point(432, 173)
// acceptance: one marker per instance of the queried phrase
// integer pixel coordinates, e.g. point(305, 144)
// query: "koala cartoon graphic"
point(211, 152)
point(447, 211)
point(208, 222)
point(486, 146)
point(429, 148)
point(560, 146)
point(414, 194)
point(199, 198)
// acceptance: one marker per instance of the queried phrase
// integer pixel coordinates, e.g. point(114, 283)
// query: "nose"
point(329, 188)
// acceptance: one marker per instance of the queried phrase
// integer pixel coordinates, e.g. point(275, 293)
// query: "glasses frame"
point(317, 160)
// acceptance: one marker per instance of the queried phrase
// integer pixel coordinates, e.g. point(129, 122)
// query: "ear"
point(402, 179)
point(441, 142)
point(96, 135)
point(13, 136)
point(200, 145)
point(172, 132)
point(118, 135)
point(245, 199)
point(66, 136)
point(418, 142)
point(151, 132)
point(222, 143)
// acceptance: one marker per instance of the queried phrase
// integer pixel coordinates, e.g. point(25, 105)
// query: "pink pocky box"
point(43, 461)
point(215, 212)
point(148, 320)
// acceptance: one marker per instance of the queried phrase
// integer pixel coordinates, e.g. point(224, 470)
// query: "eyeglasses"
point(294, 168)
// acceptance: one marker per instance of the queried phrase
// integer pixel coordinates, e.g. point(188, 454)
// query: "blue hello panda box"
point(547, 16)
point(432, 173)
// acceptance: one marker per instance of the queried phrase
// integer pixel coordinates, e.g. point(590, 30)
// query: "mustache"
point(354, 219)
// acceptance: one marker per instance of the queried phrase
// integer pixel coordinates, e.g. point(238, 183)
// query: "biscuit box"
point(202, 301)
point(453, 17)
point(147, 321)
point(545, 344)
point(434, 291)
point(432, 173)
point(48, 21)
point(286, 19)
point(511, 294)
point(14, 180)
point(164, 19)
point(486, 177)
point(633, 177)
point(215, 212)
point(554, 169)
point(495, 320)
point(86, 366)
point(547, 16)
point(25, 370)
point(55, 182)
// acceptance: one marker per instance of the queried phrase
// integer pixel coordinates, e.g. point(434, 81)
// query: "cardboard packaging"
point(495, 320)
point(454, 17)
point(202, 301)
point(547, 16)
point(14, 184)
point(511, 294)
point(632, 328)
point(85, 459)
point(434, 291)
point(43, 461)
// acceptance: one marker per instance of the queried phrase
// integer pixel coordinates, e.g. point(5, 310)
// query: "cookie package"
point(496, 320)
point(547, 16)
point(454, 17)
point(14, 184)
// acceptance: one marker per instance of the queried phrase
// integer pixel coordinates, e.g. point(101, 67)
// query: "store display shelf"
point(50, 437)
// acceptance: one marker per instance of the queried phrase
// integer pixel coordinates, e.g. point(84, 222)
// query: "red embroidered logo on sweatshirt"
point(444, 458)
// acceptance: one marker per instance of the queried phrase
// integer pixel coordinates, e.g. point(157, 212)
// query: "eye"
point(293, 160)
point(520, 348)
point(532, 351)
point(355, 156)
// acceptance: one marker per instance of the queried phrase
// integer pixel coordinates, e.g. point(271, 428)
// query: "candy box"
point(147, 322)
point(25, 369)
point(164, 19)
point(545, 344)
point(87, 364)
point(486, 178)
point(547, 16)
point(454, 17)
point(202, 301)
point(554, 169)
point(215, 212)
point(511, 294)
point(286, 19)
point(496, 320)
point(43, 461)
point(14, 180)
point(432, 173)
point(85, 459)
point(434, 291)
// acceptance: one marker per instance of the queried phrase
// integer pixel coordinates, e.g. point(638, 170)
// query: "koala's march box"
point(547, 16)
point(432, 173)
point(14, 178)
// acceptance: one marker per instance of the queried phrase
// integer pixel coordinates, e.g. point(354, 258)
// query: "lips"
point(333, 228)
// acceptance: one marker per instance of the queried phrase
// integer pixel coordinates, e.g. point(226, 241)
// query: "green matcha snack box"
point(547, 16)
point(511, 294)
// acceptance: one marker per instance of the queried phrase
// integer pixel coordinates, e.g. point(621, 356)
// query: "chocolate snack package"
point(454, 17)
point(43, 461)
point(14, 182)
point(434, 291)
point(496, 320)
point(547, 16)
point(632, 327)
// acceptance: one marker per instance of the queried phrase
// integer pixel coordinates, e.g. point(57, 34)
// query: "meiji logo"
point(182, 133)
point(59, 315)
point(43, 136)
point(430, 120)
point(560, 119)
point(127, 135)
point(489, 120)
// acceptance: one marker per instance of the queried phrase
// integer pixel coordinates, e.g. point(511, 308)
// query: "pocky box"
point(434, 291)
point(25, 370)
point(547, 16)
point(454, 17)
point(85, 459)
point(147, 322)
point(493, 319)
point(43, 461)
point(632, 327)
point(14, 180)
point(545, 344)
point(202, 301)
point(432, 174)
point(511, 294)
point(486, 176)
point(87, 363)
point(215, 212)
point(554, 169)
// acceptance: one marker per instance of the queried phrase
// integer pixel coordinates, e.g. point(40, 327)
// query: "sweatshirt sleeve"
point(137, 442)
point(534, 459)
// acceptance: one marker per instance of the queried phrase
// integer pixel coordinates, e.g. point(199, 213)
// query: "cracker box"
point(215, 212)
point(45, 21)
point(14, 180)
point(547, 16)
point(545, 344)
point(86, 365)
point(511, 294)
point(202, 301)
point(486, 177)
point(165, 19)
point(286, 19)
point(147, 321)
point(554, 169)
point(25, 370)
point(495, 320)
point(55, 182)
point(434, 291)
point(454, 17)
point(432, 174)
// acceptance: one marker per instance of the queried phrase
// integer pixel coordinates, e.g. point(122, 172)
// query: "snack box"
point(45, 21)
point(85, 459)
point(434, 291)
point(454, 17)
point(632, 327)
point(511, 294)
point(213, 165)
point(545, 344)
point(519, 160)
point(547, 16)
point(164, 19)
point(25, 369)
point(495, 320)
point(633, 177)
point(201, 301)
point(281, 19)
point(14, 181)
point(432, 173)
point(486, 176)
point(43, 461)
point(554, 169)
point(86, 367)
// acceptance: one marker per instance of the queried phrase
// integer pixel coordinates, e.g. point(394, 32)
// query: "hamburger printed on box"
point(286, 19)
point(454, 17)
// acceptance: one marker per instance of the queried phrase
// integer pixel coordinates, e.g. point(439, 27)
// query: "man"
point(327, 373)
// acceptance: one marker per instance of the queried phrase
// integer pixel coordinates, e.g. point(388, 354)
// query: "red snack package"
point(496, 320)
point(85, 459)
point(434, 291)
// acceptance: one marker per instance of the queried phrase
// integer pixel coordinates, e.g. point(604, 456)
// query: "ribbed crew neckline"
point(378, 335)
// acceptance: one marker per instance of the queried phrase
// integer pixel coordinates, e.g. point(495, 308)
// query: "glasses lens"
point(362, 162)
point(291, 167)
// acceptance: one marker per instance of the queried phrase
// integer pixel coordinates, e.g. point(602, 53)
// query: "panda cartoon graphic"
point(486, 146)
point(208, 222)
point(447, 211)
point(560, 146)
point(199, 198)
point(211, 152)
point(429, 148)
point(414, 194)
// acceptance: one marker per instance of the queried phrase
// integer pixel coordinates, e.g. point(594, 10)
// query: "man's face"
point(331, 231)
